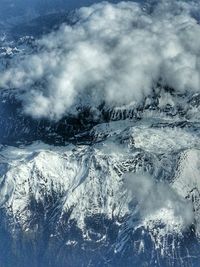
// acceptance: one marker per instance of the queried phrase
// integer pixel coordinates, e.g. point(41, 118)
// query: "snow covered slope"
point(139, 177)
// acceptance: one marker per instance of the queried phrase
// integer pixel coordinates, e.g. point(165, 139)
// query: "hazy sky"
point(10, 8)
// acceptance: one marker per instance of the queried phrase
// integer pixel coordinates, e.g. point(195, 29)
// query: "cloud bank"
point(157, 200)
point(115, 53)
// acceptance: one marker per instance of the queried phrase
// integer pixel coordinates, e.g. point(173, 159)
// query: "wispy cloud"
point(155, 197)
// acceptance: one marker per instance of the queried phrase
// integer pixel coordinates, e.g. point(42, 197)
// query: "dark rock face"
point(17, 127)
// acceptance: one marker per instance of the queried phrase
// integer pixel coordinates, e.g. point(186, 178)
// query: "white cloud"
point(159, 201)
point(115, 53)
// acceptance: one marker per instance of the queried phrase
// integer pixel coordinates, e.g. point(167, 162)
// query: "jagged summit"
point(162, 109)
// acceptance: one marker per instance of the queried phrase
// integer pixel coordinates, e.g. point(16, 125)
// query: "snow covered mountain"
point(92, 174)
point(134, 190)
